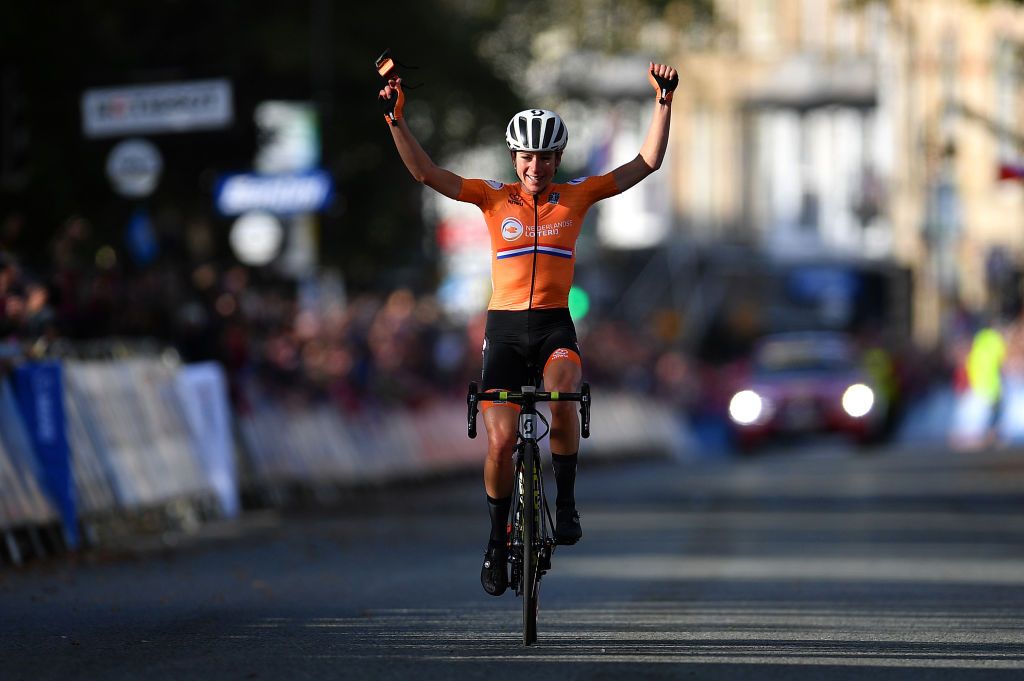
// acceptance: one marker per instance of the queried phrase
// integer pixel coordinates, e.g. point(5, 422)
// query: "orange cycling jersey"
point(528, 232)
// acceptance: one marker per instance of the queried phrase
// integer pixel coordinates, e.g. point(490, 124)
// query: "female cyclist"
point(533, 225)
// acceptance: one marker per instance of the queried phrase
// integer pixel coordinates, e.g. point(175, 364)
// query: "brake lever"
point(471, 416)
point(585, 410)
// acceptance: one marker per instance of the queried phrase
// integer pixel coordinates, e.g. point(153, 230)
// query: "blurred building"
point(960, 69)
point(860, 129)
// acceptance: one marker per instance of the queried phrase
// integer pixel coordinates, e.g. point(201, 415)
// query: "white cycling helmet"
point(536, 130)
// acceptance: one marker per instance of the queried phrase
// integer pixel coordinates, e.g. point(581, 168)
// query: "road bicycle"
point(531, 529)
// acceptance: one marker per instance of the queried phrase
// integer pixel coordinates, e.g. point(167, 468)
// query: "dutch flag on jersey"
point(557, 251)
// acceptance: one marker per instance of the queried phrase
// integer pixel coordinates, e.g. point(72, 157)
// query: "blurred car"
point(808, 382)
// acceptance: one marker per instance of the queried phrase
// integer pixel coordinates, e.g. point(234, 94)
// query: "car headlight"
point(858, 400)
point(745, 407)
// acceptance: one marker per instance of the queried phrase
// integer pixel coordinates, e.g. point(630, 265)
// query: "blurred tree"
point(318, 50)
point(862, 3)
point(527, 32)
point(472, 59)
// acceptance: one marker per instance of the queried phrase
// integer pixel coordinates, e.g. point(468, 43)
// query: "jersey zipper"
point(536, 235)
point(533, 275)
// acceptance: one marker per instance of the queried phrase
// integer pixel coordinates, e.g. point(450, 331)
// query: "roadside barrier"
point(202, 392)
point(111, 446)
point(24, 508)
point(133, 423)
point(145, 444)
point(316, 445)
point(966, 420)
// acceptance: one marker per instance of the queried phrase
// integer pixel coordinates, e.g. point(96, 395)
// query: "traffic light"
point(579, 303)
point(14, 133)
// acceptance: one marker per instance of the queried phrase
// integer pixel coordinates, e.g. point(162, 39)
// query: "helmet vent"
point(536, 130)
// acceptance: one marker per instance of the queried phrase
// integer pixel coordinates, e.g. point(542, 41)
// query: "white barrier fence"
point(130, 441)
point(145, 433)
point(316, 445)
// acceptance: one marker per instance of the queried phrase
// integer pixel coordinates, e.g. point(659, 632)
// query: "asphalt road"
point(822, 564)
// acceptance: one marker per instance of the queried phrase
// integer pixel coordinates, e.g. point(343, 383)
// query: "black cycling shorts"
point(518, 343)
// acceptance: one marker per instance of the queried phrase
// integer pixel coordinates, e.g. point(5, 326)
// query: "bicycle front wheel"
point(531, 542)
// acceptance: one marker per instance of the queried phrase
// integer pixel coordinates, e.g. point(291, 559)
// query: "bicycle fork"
point(529, 501)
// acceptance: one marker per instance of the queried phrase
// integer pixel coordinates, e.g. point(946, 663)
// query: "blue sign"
point(40, 394)
point(812, 284)
point(141, 239)
point(290, 194)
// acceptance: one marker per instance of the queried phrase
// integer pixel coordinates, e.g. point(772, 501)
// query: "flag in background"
point(601, 150)
point(1011, 171)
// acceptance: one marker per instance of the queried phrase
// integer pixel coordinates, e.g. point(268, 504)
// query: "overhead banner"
point(40, 394)
point(165, 107)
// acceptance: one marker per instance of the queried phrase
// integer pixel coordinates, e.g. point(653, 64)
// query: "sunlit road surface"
point(822, 563)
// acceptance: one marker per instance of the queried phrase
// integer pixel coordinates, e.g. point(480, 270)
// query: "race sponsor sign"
point(288, 194)
point(158, 108)
point(134, 168)
point(39, 390)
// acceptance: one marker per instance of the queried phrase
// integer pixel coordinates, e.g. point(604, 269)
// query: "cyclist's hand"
point(664, 79)
point(392, 99)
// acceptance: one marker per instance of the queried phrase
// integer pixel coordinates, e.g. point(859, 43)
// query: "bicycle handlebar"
point(473, 398)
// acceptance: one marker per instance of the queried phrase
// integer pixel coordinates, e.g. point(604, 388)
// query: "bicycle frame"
point(531, 529)
point(529, 498)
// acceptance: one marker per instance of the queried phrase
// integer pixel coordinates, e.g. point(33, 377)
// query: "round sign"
point(256, 238)
point(134, 168)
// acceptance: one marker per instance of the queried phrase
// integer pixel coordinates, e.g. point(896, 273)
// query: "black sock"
point(498, 510)
point(565, 478)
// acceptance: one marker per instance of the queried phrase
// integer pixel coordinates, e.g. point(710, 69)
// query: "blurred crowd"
point(314, 341)
point(282, 339)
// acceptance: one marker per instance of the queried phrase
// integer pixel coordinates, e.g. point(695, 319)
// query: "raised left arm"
point(652, 153)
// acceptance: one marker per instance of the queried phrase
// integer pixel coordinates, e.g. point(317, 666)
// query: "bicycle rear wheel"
point(531, 542)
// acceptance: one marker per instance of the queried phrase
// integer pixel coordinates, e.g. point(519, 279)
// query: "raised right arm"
point(420, 166)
